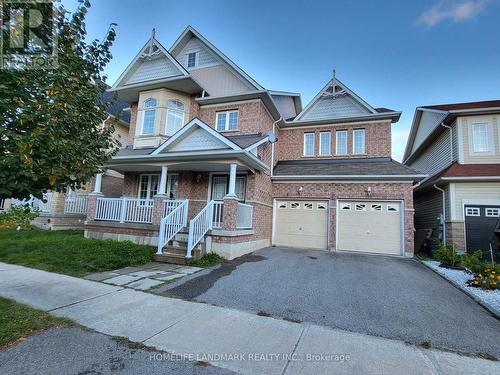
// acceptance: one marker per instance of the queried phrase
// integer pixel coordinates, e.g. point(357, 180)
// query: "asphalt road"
point(383, 296)
point(68, 351)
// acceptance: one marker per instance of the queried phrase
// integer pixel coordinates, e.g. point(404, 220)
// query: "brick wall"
point(334, 191)
point(133, 124)
point(290, 145)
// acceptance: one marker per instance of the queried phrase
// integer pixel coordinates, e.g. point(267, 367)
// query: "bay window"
point(149, 116)
point(175, 116)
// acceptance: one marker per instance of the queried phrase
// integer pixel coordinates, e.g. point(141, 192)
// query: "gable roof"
point(427, 120)
point(190, 32)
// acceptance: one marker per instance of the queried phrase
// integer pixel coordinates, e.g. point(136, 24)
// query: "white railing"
point(217, 216)
point(36, 204)
point(170, 205)
point(172, 224)
point(75, 204)
point(244, 216)
point(124, 210)
point(199, 226)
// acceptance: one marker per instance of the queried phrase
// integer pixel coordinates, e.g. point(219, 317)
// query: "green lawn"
point(68, 252)
point(18, 321)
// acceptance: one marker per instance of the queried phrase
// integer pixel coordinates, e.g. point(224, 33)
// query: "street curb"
point(479, 301)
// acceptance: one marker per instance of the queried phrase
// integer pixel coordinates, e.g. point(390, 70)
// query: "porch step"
point(176, 256)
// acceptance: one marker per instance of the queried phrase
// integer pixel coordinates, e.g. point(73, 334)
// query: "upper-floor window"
point(359, 146)
point(175, 116)
point(325, 141)
point(227, 120)
point(148, 123)
point(341, 142)
point(480, 137)
point(192, 58)
point(309, 144)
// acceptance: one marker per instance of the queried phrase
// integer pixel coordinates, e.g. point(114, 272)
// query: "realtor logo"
point(28, 38)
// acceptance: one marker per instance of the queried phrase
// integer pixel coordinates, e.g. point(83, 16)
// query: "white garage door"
point(373, 227)
point(301, 224)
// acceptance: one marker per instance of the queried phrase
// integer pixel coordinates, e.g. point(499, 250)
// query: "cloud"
point(456, 11)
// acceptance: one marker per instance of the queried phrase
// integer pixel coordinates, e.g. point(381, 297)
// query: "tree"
point(51, 133)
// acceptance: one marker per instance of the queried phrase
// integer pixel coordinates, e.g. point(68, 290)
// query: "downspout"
point(272, 145)
point(444, 211)
point(451, 139)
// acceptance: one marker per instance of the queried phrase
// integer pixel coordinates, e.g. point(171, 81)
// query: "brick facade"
point(290, 145)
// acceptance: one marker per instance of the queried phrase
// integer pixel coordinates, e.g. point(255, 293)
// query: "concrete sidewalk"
point(224, 337)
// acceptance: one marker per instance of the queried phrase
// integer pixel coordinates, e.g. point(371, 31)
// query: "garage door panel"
point(301, 224)
point(373, 227)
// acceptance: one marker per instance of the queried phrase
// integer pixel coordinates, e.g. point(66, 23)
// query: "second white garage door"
point(301, 224)
point(373, 227)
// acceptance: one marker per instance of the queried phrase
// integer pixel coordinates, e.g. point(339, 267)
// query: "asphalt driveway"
point(383, 296)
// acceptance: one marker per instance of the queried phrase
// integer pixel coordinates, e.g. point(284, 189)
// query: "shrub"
point(488, 279)
point(207, 260)
point(473, 262)
point(17, 217)
point(448, 256)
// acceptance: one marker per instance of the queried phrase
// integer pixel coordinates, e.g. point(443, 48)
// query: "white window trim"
point(144, 110)
point(168, 190)
point(175, 110)
point(196, 58)
point(226, 125)
point(363, 152)
point(489, 133)
point(494, 209)
point(337, 142)
point(313, 144)
point(473, 211)
point(329, 144)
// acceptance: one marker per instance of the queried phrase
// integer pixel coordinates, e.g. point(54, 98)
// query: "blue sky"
point(395, 54)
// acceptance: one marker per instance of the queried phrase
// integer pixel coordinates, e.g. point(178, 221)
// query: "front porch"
point(185, 210)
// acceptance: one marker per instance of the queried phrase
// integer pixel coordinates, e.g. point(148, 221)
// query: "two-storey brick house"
point(214, 161)
point(458, 146)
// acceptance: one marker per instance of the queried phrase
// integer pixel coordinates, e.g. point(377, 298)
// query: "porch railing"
point(75, 204)
point(244, 216)
point(124, 210)
point(36, 204)
point(217, 214)
point(2, 204)
point(172, 224)
point(170, 205)
point(199, 226)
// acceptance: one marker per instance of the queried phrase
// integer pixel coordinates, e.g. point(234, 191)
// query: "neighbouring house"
point(458, 146)
point(215, 162)
point(67, 210)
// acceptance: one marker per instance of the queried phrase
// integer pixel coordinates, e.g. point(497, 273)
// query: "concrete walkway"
point(231, 339)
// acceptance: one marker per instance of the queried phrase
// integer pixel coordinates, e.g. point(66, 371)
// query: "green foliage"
point(207, 260)
point(18, 321)
point(448, 256)
point(51, 119)
point(17, 217)
point(68, 252)
point(473, 262)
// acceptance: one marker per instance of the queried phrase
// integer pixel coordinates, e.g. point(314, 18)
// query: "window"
point(480, 138)
point(376, 207)
point(493, 212)
point(320, 206)
point(359, 141)
point(149, 184)
point(325, 141)
point(220, 187)
point(341, 144)
point(308, 206)
point(392, 208)
point(472, 211)
point(175, 116)
point(148, 123)
point(309, 144)
point(226, 121)
point(294, 205)
point(360, 207)
point(345, 207)
point(191, 59)
point(240, 188)
point(282, 206)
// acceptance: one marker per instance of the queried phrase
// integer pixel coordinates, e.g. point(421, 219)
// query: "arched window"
point(175, 116)
point(148, 124)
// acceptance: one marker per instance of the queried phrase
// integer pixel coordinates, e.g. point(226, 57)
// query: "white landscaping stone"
point(144, 284)
point(490, 297)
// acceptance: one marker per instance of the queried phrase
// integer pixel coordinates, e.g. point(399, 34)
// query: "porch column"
point(162, 189)
point(232, 181)
point(97, 186)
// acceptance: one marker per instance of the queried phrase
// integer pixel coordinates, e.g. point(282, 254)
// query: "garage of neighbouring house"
point(370, 226)
point(301, 224)
point(480, 224)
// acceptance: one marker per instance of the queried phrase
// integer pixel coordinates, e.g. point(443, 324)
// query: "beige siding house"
point(458, 146)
